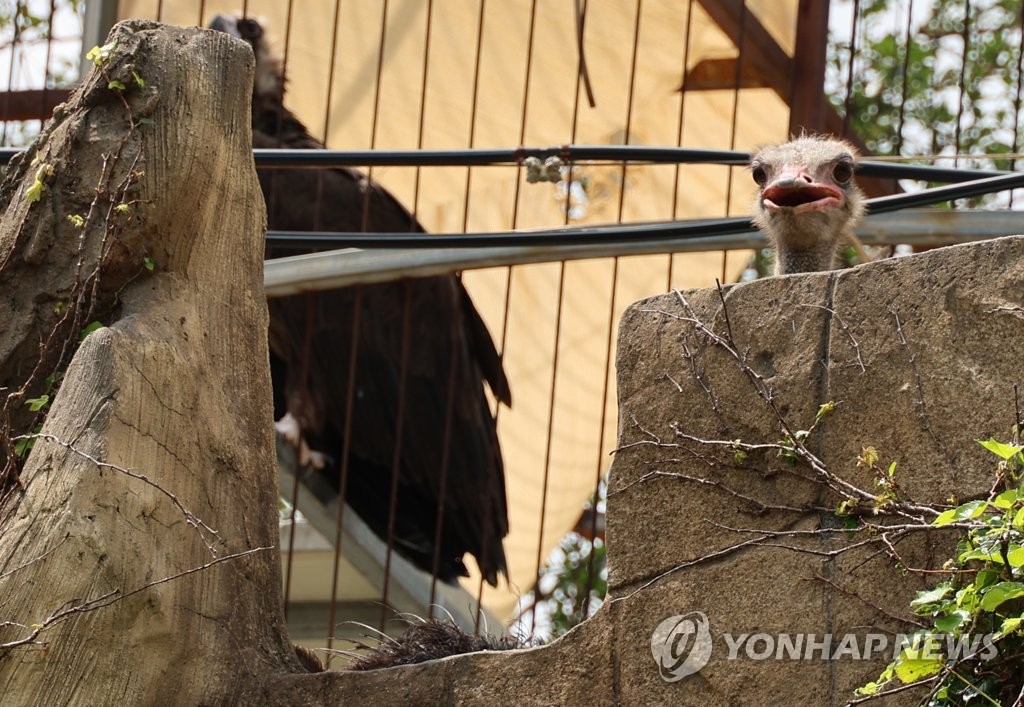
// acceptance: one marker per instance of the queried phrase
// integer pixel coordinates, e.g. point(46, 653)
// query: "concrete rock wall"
point(920, 354)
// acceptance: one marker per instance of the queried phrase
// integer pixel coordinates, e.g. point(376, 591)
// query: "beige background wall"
point(582, 419)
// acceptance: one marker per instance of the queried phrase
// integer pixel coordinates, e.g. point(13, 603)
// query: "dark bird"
point(416, 353)
point(807, 201)
point(429, 639)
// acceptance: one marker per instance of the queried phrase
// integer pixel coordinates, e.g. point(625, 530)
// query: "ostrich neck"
point(815, 257)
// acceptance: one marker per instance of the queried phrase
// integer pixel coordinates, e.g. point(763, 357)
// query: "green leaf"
point(950, 622)
point(984, 578)
point(931, 596)
point(1016, 556)
point(37, 404)
point(1018, 520)
point(35, 192)
point(913, 669)
point(22, 446)
point(1009, 626)
point(1006, 499)
point(148, 262)
point(90, 328)
point(1000, 593)
point(869, 689)
point(101, 55)
point(868, 457)
point(138, 80)
point(116, 86)
point(1001, 449)
point(967, 511)
point(981, 554)
point(825, 409)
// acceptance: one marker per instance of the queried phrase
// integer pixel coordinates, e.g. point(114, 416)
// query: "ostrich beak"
point(794, 189)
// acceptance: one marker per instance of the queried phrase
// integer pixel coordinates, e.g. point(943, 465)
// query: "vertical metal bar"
point(905, 79)
point(307, 345)
point(99, 17)
point(614, 283)
point(508, 271)
point(275, 175)
point(346, 455)
point(599, 466)
point(1017, 98)
point(737, 79)
point(46, 66)
point(554, 360)
point(848, 104)
point(15, 40)
point(376, 109)
point(396, 460)
point(291, 541)
point(629, 103)
point(287, 39)
point(523, 112)
point(423, 112)
point(454, 361)
point(581, 54)
point(547, 446)
point(455, 339)
point(966, 34)
point(318, 199)
point(473, 109)
point(679, 126)
point(330, 69)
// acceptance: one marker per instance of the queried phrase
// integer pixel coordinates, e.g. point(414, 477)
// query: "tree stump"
point(137, 558)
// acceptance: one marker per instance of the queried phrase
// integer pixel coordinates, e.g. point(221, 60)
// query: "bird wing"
point(449, 355)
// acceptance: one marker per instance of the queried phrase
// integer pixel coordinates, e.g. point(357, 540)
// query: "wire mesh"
point(439, 108)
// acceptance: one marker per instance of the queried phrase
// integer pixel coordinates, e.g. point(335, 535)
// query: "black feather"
point(449, 348)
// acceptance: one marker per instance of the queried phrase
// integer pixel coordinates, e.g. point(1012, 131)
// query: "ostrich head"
point(807, 201)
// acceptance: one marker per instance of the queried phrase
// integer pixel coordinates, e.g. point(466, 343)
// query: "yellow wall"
point(591, 300)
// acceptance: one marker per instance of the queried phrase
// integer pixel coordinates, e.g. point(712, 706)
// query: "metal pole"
point(100, 16)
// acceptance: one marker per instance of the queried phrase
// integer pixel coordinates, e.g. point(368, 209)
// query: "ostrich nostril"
point(793, 181)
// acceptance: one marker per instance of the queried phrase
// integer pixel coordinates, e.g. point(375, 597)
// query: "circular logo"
point(681, 645)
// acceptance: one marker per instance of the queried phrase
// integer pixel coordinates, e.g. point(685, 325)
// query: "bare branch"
point(109, 598)
point(190, 518)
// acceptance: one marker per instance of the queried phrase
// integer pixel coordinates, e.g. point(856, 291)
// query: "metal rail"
point(340, 268)
point(637, 154)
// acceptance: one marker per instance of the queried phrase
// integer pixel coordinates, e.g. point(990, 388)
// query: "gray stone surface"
point(920, 399)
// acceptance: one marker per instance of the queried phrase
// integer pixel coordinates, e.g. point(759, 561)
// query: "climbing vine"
point(79, 310)
point(980, 606)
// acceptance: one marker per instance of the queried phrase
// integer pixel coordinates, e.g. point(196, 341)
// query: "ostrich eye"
point(760, 174)
point(843, 171)
point(249, 29)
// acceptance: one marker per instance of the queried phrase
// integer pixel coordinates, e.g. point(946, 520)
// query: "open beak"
point(795, 190)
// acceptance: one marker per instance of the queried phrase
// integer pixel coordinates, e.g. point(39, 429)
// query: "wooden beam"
point(720, 74)
point(807, 85)
point(761, 51)
point(36, 104)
